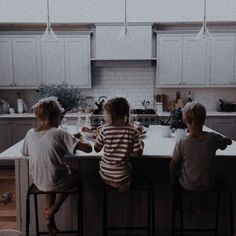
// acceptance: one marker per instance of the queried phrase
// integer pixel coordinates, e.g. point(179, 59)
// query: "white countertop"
point(209, 113)
point(155, 146)
point(75, 115)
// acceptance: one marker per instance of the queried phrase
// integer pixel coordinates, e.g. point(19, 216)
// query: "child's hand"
point(78, 135)
point(229, 141)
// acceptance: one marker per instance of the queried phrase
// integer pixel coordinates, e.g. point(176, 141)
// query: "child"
point(193, 156)
point(121, 143)
point(46, 147)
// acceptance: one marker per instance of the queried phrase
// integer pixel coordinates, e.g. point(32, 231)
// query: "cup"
point(19, 105)
point(159, 107)
point(165, 130)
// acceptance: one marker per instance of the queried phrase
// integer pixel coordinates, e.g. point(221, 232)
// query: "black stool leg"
point(153, 211)
point(27, 213)
point(181, 214)
point(217, 213)
point(149, 212)
point(36, 214)
point(173, 210)
point(104, 211)
point(231, 213)
point(81, 212)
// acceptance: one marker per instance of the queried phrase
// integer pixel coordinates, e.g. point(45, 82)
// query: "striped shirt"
point(119, 143)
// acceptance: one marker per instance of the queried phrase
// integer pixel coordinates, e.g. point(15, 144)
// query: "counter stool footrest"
point(127, 228)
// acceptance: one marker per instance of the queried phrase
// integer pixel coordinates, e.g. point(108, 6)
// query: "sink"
point(143, 111)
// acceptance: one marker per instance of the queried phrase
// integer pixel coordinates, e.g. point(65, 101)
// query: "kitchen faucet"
point(145, 104)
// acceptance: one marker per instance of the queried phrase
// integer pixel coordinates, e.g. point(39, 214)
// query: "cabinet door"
point(169, 54)
point(77, 52)
point(20, 128)
point(24, 62)
point(222, 60)
point(225, 126)
point(53, 61)
point(194, 61)
point(6, 73)
point(5, 135)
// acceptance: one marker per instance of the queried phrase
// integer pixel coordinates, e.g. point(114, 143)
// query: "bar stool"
point(33, 190)
point(218, 189)
point(137, 184)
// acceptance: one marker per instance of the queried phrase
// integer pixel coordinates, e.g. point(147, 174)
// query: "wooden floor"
point(7, 211)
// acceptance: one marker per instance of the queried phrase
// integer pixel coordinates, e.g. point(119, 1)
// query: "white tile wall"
point(133, 83)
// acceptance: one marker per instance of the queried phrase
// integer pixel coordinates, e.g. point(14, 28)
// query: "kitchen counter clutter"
point(13, 127)
point(153, 164)
point(75, 115)
point(155, 146)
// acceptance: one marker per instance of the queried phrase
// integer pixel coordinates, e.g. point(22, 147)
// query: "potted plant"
point(175, 121)
point(68, 96)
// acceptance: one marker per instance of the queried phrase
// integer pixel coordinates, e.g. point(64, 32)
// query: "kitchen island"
point(153, 164)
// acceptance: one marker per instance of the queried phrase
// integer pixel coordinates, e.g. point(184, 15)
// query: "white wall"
point(112, 10)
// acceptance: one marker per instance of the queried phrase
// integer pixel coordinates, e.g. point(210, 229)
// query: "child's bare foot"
point(52, 228)
point(48, 213)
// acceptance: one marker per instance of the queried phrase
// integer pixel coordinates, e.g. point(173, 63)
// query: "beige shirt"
point(195, 158)
point(46, 150)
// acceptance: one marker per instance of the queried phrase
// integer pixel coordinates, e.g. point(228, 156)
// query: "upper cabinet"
point(67, 60)
point(53, 61)
point(185, 61)
point(112, 44)
point(170, 53)
point(222, 60)
point(24, 53)
point(77, 60)
point(6, 68)
point(27, 61)
point(18, 61)
point(181, 60)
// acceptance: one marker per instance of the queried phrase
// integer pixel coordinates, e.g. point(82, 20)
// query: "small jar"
point(159, 107)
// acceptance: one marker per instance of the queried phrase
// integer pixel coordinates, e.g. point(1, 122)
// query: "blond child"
point(120, 142)
point(192, 160)
point(46, 147)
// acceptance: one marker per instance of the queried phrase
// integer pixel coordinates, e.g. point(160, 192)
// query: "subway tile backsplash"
point(136, 83)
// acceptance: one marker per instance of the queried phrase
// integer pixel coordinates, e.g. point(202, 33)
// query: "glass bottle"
point(189, 97)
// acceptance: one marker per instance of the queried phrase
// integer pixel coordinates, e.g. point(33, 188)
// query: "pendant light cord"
point(48, 18)
point(204, 18)
point(125, 16)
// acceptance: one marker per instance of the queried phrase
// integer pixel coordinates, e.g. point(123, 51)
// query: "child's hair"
point(194, 112)
point(48, 108)
point(118, 108)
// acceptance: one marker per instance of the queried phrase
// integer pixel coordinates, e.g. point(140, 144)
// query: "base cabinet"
point(12, 131)
point(225, 126)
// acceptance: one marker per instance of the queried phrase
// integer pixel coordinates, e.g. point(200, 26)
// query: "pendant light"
point(124, 31)
point(204, 33)
point(49, 35)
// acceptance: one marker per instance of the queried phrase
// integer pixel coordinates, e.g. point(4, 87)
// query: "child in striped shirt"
point(120, 142)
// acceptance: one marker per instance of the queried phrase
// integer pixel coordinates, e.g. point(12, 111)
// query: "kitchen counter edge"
point(75, 115)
